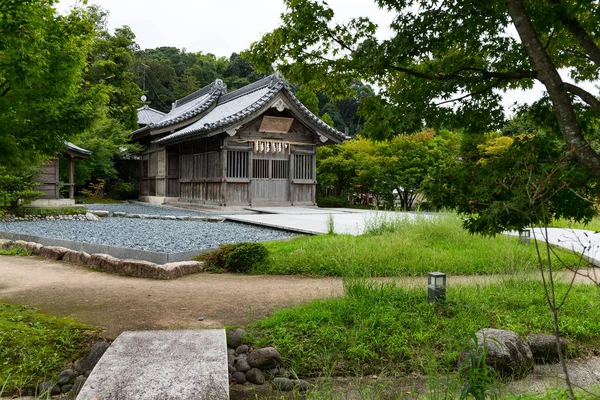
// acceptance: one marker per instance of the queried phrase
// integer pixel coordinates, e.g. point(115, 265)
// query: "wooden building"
point(253, 146)
point(50, 178)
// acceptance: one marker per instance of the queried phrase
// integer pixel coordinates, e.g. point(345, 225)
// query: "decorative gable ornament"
point(280, 105)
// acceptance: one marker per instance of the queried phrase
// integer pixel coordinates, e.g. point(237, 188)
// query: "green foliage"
point(445, 65)
point(239, 257)
point(35, 347)
point(43, 98)
point(479, 377)
point(17, 188)
point(382, 327)
point(415, 247)
point(328, 120)
point(14, 250)
point(309, 99)
point(120, 190)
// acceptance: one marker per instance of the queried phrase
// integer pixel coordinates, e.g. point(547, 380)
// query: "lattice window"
point(260, 169)
point(303, 166)
point(280, 169)
point(237, 164)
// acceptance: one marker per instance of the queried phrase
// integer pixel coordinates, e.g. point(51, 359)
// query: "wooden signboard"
point(276, 125)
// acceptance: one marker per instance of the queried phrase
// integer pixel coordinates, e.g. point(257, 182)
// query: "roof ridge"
point(217, 86)
point(268, 81)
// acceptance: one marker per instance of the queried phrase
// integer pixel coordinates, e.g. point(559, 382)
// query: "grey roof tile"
point(77, 149)
point(240, 104)
point(147, 115)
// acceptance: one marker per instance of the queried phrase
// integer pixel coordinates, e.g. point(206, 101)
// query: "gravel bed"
point(151, 235)
point(136, 208)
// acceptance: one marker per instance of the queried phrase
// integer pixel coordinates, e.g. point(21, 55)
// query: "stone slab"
point(115, 251)
point(188, 364)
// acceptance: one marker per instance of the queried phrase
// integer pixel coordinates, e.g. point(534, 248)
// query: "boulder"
point(66, 389)
point(77, 385)
point(91, 217)
point(267, 357)
point(243, 349)
point(88, 363)
point(100, 213)
point(77, 257)
point(507, 352)
point(255, 375)
point(104, 262)
point(239, 377)
point(543, 347)
point(283, 384)
point(231, 369)
point(53, 252)
point(34, 248)
point(301, 385)
point(242, 365)
point(234, 338)
point(65, 376)
point(185, 267)
point(139, 268)
point(5, 243)
point(48, 388)
point(119, 214)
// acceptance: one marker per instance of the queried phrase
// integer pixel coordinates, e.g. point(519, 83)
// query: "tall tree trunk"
point(548, 75)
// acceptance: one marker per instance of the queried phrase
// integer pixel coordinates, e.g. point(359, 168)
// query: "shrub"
point(332, 201)
point(121, 190)
point(240, 257)
point(17, 188)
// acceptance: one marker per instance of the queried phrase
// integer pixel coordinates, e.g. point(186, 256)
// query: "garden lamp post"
point(525, 236)
point(436, 287)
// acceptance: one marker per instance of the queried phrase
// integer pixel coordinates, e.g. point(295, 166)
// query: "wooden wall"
point(50, 180)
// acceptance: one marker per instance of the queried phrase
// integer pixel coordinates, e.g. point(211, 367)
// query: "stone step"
point(144, 365)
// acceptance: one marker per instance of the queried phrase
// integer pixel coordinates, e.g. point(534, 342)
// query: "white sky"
point(222, 27)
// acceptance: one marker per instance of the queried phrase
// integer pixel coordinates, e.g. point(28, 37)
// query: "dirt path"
point(119, 303)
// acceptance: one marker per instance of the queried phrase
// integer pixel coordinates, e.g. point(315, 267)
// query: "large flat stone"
point(189, 364)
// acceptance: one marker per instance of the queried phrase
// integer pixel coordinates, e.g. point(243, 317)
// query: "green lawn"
point(402, 247)
point(593, 225)
point(36, 347)
point(381, 328)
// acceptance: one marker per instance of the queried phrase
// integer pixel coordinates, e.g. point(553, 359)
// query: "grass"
point(45, 212)
point(97, 200)
point(402, 247)
point(35, 347)
point(593, 225)
point(379, 328)
point(14, 250)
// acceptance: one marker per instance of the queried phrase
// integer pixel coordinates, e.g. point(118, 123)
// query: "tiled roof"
point(240, 104)
point(147, 115)
point(77, 149)
point(192, 105)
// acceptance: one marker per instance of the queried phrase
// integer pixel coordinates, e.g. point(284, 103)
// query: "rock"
point(242, 365)
point(301, 385)
point(239, 377)
point(231, 369)
point(507, 352)
point(104, 262)
point(53, 252)
point(91, 217)
point(66, 388)
point(255, 375)
point(65, 376)
point(48, 388)
point(543, 347)
point(100, 213)
point(5, 243)
point(77, 385)
point(243, 349)
point(119, 214)
point(34, 248)
point(179, 269)
point(231, 359)
point(267, 357)
point(139, 268)
point(92, 358)
point(231, 351)
point(283, 384)
point(76, 257)
point(234, 337)
point(243, 355)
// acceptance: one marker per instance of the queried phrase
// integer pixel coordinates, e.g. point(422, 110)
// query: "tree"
point(43, 99)
point(460, 53)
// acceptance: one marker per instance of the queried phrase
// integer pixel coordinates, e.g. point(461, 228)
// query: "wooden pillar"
point(291, 177)
point(250, 173)
point(223, 178)
point(314, 176)
point(71, 178)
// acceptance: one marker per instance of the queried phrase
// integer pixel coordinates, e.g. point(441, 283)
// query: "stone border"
point(110, 264)
point(62, 217)
point(115, 251)
point(119, 214)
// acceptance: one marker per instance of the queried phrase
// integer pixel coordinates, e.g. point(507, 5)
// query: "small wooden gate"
point(270, 177)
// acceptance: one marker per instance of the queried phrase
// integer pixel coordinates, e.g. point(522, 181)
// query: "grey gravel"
point(163, 236)
point(137, 208)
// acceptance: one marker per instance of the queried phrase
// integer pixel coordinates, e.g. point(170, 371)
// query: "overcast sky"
point(222, 27)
